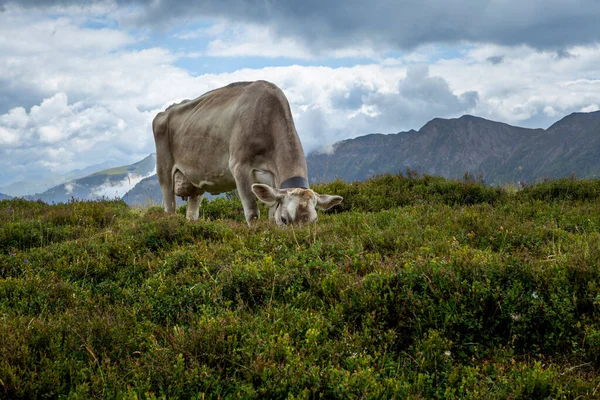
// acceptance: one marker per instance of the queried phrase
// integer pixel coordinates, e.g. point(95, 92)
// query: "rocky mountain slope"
point(501, 153)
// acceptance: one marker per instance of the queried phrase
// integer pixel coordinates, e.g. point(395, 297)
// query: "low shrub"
point(417, 287)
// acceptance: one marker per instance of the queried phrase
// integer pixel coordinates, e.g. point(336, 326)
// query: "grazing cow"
point(239, 136)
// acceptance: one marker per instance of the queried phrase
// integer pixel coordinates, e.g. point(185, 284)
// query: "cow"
point(238, 136)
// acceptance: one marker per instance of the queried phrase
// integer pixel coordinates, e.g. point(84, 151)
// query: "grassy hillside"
point(142, 167)
point(416, 288)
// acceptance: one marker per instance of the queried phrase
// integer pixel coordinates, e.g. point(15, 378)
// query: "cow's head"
point(293, 206)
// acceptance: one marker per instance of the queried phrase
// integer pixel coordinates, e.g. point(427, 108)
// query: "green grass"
point(416, 287)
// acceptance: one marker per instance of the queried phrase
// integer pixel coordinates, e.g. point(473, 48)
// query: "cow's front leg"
point(244, 181)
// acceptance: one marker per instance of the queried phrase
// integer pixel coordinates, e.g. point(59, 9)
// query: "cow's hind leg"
point(164, 162)
point(243, 181)
point(165, 178)
point(193, 207)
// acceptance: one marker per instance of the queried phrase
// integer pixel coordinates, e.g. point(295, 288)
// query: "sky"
point(81, 81)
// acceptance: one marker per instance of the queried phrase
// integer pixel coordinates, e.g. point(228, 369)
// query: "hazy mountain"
point(109, 183)
point(49, 180)
point(450, 147)
point(4, 197)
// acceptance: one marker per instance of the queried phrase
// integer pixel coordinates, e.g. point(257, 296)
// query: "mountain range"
point(499, 152)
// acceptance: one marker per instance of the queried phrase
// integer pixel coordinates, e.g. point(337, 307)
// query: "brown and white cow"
point(238, 136)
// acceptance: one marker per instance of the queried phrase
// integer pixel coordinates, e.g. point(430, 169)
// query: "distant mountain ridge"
point(501, 153)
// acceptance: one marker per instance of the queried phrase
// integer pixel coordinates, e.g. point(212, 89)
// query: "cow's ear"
point(325, 201)
point(266, 194)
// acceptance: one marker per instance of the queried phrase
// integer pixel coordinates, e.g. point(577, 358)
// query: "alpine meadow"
point(414, 287)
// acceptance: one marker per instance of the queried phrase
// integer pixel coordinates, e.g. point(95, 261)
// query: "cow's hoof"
point(252, 220)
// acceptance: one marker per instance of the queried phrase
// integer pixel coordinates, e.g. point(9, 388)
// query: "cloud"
point(111, 189)
point(541, 24)
point(519, 89)
point(328, 149)
point(495, 59)
point(355, 105)
point(235, 39)
point(69, 187)
point(562, 53)
point(590, 108)
point(400, 25)
point(252, 40)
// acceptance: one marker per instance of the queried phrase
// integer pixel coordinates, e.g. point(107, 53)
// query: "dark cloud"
point(561, 54)
point(351, 99)
point(434, 93)
point(323, 25)
point(496, 59)
point(17, 95)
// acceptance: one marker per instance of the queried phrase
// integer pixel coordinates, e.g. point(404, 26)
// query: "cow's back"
point(197, 132)
point(212, 109)
point(244, 122)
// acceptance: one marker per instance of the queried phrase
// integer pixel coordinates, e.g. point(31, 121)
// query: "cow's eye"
point(284, 220)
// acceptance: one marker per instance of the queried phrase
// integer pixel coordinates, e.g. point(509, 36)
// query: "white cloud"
point(328, 149)
point(69, 186)
point(213, 30)
point(234, 39)
point(550, 111)
point(8, 137)
point(590, 108)
point(118, 189)
point(526, 82)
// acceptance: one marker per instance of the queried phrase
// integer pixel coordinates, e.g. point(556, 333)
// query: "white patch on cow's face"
point(296, 207)
point(293, 206)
